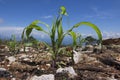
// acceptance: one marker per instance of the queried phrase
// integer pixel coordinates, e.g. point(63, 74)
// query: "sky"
point(17, 14)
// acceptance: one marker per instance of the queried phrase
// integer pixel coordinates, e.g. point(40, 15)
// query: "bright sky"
point(105, 14)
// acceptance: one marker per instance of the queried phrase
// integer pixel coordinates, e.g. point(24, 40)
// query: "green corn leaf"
point(63, 10)
point(59, 31)
point(59, 27)
point(29, 28)
point(28, 31)
point(45, 25)
point(74, 37)
point(60, 36)
point(53, 31)
point(23, 33)
point(35, 22)
point(52, 34)
point(90, 25)
point(36, 27)
point(32, 26)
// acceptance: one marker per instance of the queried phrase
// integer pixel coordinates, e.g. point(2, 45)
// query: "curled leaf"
point(63, 10)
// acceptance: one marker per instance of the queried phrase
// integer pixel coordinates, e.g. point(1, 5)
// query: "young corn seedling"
point(57, 29)
point(52, 31)
point(80, 40)
point(12, 44)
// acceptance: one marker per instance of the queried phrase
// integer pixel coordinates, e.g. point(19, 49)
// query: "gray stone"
point(77, 56)
point(89, 48)
point(22, 56)
point(13, 79)
point(2, 69)
point(69, 70)
point(27, 49)
point(111, 78)
point(11, 59)
point(4, 73)
point(43, 77)
point(97, 49)
point(80, 56)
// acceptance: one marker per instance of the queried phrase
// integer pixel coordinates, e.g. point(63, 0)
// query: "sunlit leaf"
point(28, 31)
point(74, 37)
point(90, 25)
point(35, 22)
point(63, 10)
point(40, 22)
point(23, 34)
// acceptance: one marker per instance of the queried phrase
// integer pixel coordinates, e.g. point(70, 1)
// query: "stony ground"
point(93, 65)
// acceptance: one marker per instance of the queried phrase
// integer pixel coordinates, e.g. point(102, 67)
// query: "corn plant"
point(12, 44)
point(80, 40)
point(57, 29)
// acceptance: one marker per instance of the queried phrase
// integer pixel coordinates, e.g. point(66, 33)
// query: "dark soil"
point(111, 41)
point(107, 65)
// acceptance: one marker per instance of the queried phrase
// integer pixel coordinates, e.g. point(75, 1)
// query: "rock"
point(111, 78)
point(2, 57)
point(11, 59)
point(21, 50)
point(44, 67)
point(104, 47)
point(2, 69)
point(86, 52)
point(3, 48)
point(49, 65)
point(89, 48)
point(43, 77)
point(79, 56)
point(79, 48)
point(4, 73)
point(69, 70)
point(6, 48)
point(27, 49)
point(97, 49)
point(118, 58)
point(13, 79)
point(22, 56)
point(26, 59)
